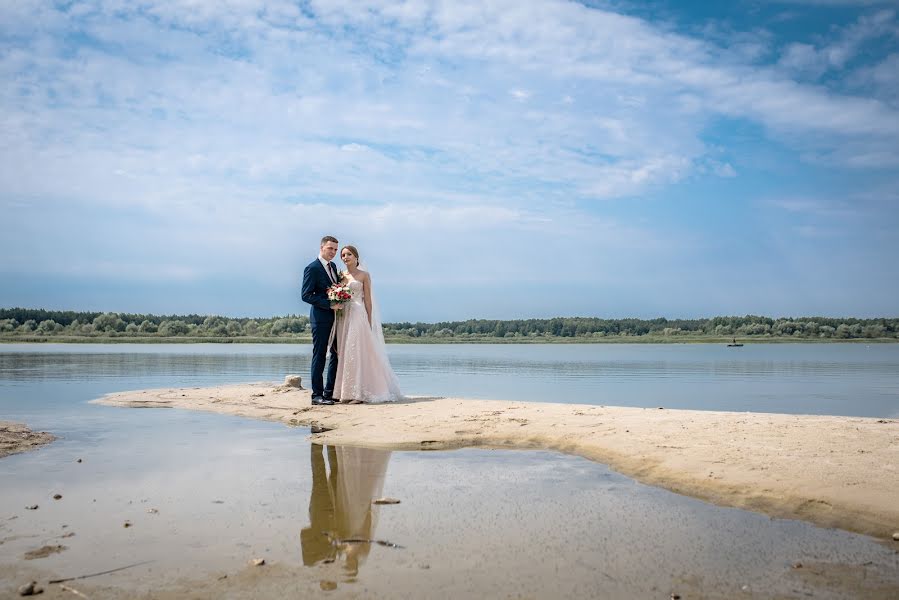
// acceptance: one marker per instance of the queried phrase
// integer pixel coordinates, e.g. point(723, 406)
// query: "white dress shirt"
point(327, 268)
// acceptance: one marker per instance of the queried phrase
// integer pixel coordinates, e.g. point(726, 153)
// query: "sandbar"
point(834, 471)
point(16, 438)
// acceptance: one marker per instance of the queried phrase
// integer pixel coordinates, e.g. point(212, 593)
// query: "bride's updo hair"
point(353, 251)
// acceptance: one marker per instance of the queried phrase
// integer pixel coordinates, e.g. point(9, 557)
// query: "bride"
point(364, 374)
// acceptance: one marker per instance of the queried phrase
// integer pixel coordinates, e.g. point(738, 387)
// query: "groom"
point(318, 276)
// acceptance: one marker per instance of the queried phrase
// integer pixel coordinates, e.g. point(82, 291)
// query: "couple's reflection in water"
point(345, 480)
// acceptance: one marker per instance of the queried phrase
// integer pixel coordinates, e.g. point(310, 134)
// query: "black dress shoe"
point(322, 401)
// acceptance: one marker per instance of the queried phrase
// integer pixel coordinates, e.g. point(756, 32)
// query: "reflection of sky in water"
point(843, 379)
point(493, 523)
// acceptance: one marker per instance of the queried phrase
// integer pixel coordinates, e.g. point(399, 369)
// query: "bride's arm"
point(366, 294)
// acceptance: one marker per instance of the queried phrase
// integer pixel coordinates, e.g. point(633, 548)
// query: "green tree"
point(173, 328)
point(109, 322)
point(279, 327)
point(288, 325)
point(212, 321)
point(874, 331)
point(49, 326)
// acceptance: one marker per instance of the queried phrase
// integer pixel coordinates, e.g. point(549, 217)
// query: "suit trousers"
point(321, 331)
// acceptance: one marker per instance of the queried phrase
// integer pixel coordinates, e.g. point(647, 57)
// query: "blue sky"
point(499, 159)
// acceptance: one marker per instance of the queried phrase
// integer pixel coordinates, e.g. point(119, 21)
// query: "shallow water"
point(471, 522)
point(496, 523)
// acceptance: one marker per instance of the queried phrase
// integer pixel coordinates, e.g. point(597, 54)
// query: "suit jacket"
point(315, 292)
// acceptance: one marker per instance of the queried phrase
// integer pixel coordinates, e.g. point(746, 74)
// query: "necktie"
point(331, 273)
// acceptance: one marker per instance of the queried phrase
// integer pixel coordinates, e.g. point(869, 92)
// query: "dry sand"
point(15, 438)
point(833, 471)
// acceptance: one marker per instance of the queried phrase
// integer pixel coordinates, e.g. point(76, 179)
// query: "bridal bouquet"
point(338, 294)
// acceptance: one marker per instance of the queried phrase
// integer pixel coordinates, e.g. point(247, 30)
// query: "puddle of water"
point(204, 494)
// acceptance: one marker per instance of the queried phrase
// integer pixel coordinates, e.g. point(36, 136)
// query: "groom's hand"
point(336, 306)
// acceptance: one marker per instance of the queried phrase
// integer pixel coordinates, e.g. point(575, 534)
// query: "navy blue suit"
point(315, 292)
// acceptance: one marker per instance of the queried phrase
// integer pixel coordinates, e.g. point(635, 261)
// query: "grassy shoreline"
point(645, 339)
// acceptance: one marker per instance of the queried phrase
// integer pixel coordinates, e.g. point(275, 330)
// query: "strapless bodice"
point(356, 291)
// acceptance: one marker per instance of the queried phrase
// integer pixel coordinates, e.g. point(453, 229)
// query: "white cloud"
point(829, 211)
point(803, 59)
point(883, 77)
point(222, 136)
point(725, 170)
point(811, 62)
point(291, 91)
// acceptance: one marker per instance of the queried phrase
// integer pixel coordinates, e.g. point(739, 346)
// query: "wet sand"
point(833, 471)
point(16, 438)
point(275, 581)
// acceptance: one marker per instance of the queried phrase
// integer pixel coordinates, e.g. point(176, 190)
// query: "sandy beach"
point(16, 437)
point(833, 471)
point(471, 523)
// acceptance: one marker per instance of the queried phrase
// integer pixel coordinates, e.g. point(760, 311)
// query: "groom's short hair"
point(328, 238)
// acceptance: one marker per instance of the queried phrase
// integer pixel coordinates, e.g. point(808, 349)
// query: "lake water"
point(833, 379)
point(471, 523)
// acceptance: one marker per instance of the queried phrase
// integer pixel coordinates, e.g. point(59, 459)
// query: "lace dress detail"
point(363, 372)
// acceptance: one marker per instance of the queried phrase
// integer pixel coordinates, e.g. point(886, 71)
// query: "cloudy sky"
point(497, 159)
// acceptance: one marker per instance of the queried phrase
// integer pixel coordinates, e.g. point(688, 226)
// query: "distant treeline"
point(31, 324)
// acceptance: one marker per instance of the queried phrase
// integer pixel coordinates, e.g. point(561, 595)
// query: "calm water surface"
point(836, 379)
point(472, 523)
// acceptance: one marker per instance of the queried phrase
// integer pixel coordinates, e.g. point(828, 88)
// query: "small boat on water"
point(735, 344)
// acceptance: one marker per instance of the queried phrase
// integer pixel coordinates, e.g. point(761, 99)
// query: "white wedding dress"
point(363, 370)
